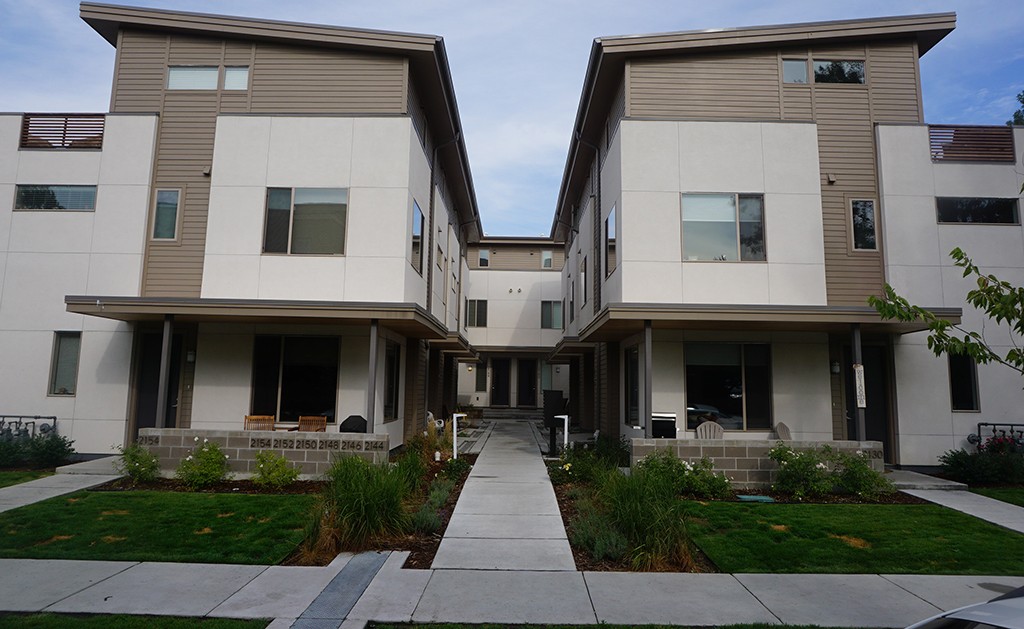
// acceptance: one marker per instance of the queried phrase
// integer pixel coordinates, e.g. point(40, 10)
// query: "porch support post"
point(648, 378)
point(858, 359)
point(165, 371)
point(371, 384)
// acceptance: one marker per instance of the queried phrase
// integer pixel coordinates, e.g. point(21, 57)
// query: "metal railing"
point(62, 131)
point(963, 143)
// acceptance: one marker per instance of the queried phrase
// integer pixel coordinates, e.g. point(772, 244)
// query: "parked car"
point(1002, 612)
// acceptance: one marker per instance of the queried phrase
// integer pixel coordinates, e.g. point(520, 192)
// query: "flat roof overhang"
point(458, 346)
point(568, 348)
point(619, 321)
point(409, 320)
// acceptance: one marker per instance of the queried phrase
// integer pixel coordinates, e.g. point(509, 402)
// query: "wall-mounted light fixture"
point(835, 367)
point(469, 368)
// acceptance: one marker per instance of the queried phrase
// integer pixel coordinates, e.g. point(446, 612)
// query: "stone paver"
point(658, 598)
point(988, 509)
point(950, 591)
point(31, 585)
point(839, 600)
point(50, 487)
point(393, 595)
point(174, 589)
point(278, 591)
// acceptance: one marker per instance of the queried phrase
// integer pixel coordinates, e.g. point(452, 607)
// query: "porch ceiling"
point(409, 320)
point(618, 321)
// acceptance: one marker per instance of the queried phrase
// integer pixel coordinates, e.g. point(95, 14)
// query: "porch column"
point(857, 383)
point(648, 378)
point(371, 384)
point(165, 370)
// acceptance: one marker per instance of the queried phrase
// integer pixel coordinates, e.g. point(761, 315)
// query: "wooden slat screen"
point(957, 143)
point(62, 131)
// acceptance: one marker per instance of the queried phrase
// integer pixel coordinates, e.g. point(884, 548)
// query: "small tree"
point(999, 300)
point(1018, 116)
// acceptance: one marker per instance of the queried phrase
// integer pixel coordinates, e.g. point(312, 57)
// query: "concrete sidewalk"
point(995, 511)
point(50, 487)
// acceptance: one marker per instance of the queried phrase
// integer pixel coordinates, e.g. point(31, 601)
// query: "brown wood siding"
point(188, 374)
point(895, 85)
point(288, 79)
point(796, 102)
point(415, 388)
point(140, 74)
point(722, 86)
point(517, 258)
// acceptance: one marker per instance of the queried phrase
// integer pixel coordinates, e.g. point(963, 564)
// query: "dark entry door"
point(876, 387)
point(526, 383)
point(149, 381)
point(500, 372)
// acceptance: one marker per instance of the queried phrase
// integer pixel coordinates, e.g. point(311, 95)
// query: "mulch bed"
point(895, 498)
point(222, 487)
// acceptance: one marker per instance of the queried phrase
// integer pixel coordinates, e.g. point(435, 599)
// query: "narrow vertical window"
point(633, 385)
point(485, 257)
point(609, 243)
point(572, 301)
point(392, 378)
point(165, 215)
point(416, 255)
point(481, 377)
point(546, 259)
point(64, 367)
point(963, 383)
point(863, 224)
point(583, 280)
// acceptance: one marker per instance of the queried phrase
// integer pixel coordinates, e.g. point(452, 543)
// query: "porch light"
point(469, 368)
point(835, 367)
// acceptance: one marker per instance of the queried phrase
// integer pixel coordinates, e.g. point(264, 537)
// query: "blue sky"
point(518, 66)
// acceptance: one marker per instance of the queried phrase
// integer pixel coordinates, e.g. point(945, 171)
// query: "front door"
point(500, 372)
point(877, 423)
point(526, 383)
point(148, 381)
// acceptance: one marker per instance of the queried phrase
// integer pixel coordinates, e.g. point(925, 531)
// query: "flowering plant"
point(137, 463)
point(273, 470)
point(803, 473)
point(206, 465)
point(1001, 444)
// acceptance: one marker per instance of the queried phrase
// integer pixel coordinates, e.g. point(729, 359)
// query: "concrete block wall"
point(744, 462)
point(311, 452)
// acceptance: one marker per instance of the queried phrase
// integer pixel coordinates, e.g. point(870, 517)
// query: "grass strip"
point(157, 526)
point(8, 478)
point(1012, 495)
point(852, 539)
point(374, 625)
point(119, 621)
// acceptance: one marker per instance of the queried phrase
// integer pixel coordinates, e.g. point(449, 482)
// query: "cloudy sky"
point(518, 66)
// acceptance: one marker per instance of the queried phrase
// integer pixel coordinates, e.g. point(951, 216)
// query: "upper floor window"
point(46, 197)
point(863, 218)
point(476, 313)
point(572, 301)
point(192, 77)
point(416, 255)
point(723, 227)
point(64, 363)
point(547, 259)
point(165, 215)
point(963, 383)
point(609, 243)
point(236, 78)
point(485, 257)
point(583, 281)
point(794, 71)
point(551, 315)
point(305, 220)
point(838, 71)
point(977, 210)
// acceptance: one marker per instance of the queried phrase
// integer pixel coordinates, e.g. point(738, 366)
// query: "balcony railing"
point(62, 131)
point(959, 143)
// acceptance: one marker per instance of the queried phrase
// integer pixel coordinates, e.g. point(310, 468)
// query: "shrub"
point(694, 480)
point(983, 467)
point(593, 531)
point(803, 473)
point(12, 453)
point(455, 469)
point(440, 489)
point(853, 474)
point(612, 451)
point(138, 464)
point(204, 467)
point(426, 520)
point(48, 450)
point(273, 470)
point(411, 467)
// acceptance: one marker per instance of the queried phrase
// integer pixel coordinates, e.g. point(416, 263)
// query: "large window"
point(192, 77)
point(392, 378)
point(551, 315)
point(64, 363)
point(305, 220)
point(165, 215)
point(977, 210)
point(838, 71)
point(295, 375)
point(963, 383)
point(416, 255)
point(476, 313)
point(723, 227)
point(609, 243)
point(863, 219)
point(729, 384)
point(47, 197)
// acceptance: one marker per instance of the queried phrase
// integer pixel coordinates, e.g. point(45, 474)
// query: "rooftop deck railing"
point(963, 143)
point(62, 131)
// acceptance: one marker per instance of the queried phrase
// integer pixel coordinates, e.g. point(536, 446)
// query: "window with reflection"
point(416, 255)
point(609, 243)
point(977, 210)
point(729, 384)
point(839, 72)
point(305, 220)
point(794, 71)
point(864, 233)
point(294, 376)
point(723, 227)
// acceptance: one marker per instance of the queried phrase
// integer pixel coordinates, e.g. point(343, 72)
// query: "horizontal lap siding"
point(514, 258)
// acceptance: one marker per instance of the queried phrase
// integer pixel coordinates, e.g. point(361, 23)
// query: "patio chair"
point(259, 422)
point(710, 430)
point(782, 432)
point(311, 423)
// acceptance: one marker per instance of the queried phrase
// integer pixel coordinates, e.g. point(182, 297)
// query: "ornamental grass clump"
point(205, 466)
point(273, 471)
point(138, 464)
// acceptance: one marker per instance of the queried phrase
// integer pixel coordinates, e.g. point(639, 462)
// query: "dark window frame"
point(392, 380)
point(24, 201)
point(279, 390)
point(56, 358)
point(610, 242)
point(852, 217)
point(744, 255)
point(744, 371)
point(290, 234)
point(963, 366)
point(547, 315)
point(417, 248)
point(1012, 202)
point(476, 313)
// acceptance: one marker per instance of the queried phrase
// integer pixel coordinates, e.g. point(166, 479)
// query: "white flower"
point(188, 458)
point(821, 466)
point(225, 456)
point(204, 440)
point(196, 439)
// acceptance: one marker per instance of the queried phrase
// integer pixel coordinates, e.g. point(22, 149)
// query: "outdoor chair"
point(710, 430)
point(311, 423)
point(782, 432)
point(259, 422)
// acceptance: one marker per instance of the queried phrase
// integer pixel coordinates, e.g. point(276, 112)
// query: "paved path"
point(983, 507)
point(42, 488)
point(507, 517)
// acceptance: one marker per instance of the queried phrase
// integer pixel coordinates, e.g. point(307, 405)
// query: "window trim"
point(1016, 201)
point(195, 66)
point(17, 187)
point(177, 216)
point(547, 255)
point(975, 389)
point(55, 354)
point(811, 75)
point(583, 280)
point(808, 75)
point(223, 79)
point(743, 379)
point(736, 222)
point(852, 242)
point(555, 325)
point(474, 321)
point(611, 222)
point(291, 222)
point(416, 265)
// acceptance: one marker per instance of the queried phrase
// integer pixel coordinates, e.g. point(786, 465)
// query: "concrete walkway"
point(983, 507)
point(50, 487)
point(507, 517)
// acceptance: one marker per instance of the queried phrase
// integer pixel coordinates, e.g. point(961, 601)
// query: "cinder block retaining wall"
point(311, 452)
point(745, 462)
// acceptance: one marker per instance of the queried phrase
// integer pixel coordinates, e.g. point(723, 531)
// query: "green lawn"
point(103, 621)
point(8, 478)
point(837, 538)
point(1014, 495)
point(157, 526)
point(375, 625)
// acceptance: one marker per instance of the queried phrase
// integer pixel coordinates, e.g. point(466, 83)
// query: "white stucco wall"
point(513, 307)
point(661, 160)
point(46, 255)
point(918, 266)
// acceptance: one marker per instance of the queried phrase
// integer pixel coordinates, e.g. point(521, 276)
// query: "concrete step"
point(905, 479)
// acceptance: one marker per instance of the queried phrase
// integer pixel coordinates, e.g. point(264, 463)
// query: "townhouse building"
point(279, 219)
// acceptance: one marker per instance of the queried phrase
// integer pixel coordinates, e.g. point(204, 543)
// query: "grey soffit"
point(608, 56)
point(409, 319)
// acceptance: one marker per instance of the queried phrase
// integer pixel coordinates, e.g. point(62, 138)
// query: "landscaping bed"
point(219, 487)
